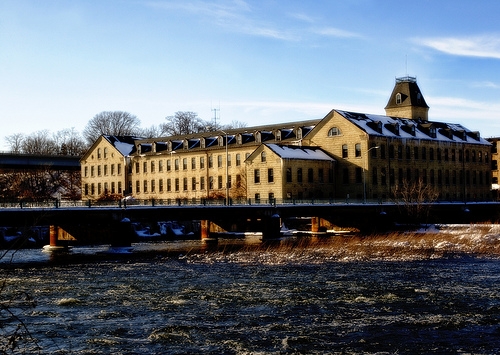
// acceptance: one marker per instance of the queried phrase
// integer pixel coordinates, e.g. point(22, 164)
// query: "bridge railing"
point(124, 203)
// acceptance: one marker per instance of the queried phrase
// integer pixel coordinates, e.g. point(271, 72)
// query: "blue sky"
point(260, 62)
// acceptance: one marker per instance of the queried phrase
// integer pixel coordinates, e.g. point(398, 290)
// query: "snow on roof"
point(302, 153)
point(412, 129)
point(124, 144)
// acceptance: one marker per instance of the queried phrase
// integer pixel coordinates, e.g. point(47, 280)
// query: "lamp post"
point(227, 171)
point(364, 172)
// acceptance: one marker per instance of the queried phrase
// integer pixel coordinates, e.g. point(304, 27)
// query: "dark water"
point(237, 302)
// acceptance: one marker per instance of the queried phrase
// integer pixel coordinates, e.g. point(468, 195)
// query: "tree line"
point(45, 183)
point(116, 123)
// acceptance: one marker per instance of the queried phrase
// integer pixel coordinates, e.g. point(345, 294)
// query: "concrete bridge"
point(104, 225)
point(13, 162)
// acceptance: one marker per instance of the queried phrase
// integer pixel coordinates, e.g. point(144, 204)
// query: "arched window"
point(334, 131)
point(263, 157)
point(398, 98)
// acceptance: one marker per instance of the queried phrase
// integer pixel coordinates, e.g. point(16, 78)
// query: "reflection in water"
point(241, 297)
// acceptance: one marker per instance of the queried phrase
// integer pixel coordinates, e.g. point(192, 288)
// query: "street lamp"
point(227, 171)
point(364, 172)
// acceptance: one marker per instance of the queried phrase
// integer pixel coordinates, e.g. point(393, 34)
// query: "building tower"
point(407, 101)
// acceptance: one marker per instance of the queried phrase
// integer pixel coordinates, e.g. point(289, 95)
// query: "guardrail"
point(124, 203)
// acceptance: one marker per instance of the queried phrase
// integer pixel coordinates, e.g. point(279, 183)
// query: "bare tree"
point(15, 142)
point(152, 132)
point(70, 142)
point(415, 199)
point(39, 143)
point(234, 125)
point(117, 123)
point(183, 122)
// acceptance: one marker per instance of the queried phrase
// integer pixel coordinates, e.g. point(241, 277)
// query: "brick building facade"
point(349, 155)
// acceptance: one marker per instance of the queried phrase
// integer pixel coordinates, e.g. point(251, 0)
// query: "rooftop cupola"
point(407, 101)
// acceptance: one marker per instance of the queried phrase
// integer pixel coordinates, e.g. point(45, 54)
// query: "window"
point(169, 165)
point(431, 153)
point(334, 131)
point(160, 185)
point(263, 157)
point(137, 186)
point(424, 153)
point(345, 176)
point(160, 166)
point(202, 183)
point(256, 176)
point(398, 98)
point(169, 185)
point(270, 175)
point(408, 152)
point(310, 175)
point(415, 153)
point(112, 169)
point(185, 184)
point(219, 182)
point(99, 153)
point(229, 160)
point(357, 150)
point(119, 169)
point(193, 183)
point(152, 166)
point(145, 167)
point(119, 187)
point(98, 170)
point(153, 186)
point(145, 186)
point(400, 151)
point(321, 177)
point(438, 151)
point(202, 162)
point(177, 184)
point(105, 169)
point(391, 152)
point(299, 175)
point(373, 150)
point(176, 164)
point(113, 187)
point(210, 162)
point(219, 161)
point(344, 151)
point(359, 174)
point(382, 151)
point(229, 181)
point(288, 174)
point(184, 164)
point(238, 159)
point(193, 163)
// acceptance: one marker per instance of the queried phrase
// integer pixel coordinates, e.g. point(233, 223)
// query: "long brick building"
point(344, 155)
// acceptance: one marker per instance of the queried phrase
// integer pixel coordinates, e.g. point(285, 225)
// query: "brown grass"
point(474, 240)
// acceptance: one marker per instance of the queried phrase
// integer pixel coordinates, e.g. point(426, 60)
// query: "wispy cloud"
point(238, 16)
point(484, 46)
point(334, 32)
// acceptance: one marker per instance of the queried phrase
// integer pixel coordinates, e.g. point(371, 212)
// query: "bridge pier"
point(271, 228)
point(53, 235)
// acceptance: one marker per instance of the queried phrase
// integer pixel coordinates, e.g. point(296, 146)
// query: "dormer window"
point(221, 141)
point(185, 144)
point(412, 130)
point(278, 135)
point(379, 126)
point(432, 131)
point(334, 131)
point(396, 128)
point(299, 133)
point(398, 99)
point(257, 137)
point(238, 139)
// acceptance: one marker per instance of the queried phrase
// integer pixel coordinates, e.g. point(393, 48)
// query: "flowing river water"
point(239, 297)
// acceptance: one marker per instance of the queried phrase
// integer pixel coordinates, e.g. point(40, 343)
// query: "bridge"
point(104, 224)
point(12, 162)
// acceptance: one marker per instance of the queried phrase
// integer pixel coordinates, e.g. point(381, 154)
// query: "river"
point(239, 297)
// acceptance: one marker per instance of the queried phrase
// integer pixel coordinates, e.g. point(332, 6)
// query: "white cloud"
point(335, 32)
point(484, 46)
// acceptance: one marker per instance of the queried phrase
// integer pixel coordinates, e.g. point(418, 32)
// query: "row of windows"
point(114, 188)
point(103, 170)
point(298, 175)
point(186, 163)
point(439, 176)
point(184, 184)
point(422, 153)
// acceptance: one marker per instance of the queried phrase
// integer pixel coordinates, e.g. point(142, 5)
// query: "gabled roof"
point(378, 125)
point(299, 153)
point(123, 144)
